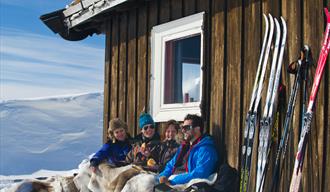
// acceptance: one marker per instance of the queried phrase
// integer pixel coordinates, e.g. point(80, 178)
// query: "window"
point(177, 58)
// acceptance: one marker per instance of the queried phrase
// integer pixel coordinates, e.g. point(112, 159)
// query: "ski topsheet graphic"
point(297, 171)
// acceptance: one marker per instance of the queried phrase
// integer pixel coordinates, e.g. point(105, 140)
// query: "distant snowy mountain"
point(49, 133)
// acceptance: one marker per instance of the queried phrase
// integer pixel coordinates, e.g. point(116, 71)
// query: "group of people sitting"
point(184, 150)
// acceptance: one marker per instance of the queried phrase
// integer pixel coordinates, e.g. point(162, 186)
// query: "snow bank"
point(49, 133)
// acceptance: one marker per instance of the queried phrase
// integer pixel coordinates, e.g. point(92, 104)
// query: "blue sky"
point(35, 62)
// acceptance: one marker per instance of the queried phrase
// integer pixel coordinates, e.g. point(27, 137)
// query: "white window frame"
point(184, 27)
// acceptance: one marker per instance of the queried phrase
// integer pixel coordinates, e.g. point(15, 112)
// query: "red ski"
point(296, 175)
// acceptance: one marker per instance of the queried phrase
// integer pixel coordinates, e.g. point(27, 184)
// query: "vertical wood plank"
point(176, 9)
point(142, 64)
point(217, 105)
point(252, 47)
point(313, 29)
point(122, 89)
point(188, 7)
point(153, 20)
point(131, 72)
point(164, 11)
point(233, 83)
point(107, 82)
point(291, 11)
point(114, 68)
point(272, 7)
point(202, 5)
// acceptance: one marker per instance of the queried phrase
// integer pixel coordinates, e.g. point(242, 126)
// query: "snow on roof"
point(82, 10)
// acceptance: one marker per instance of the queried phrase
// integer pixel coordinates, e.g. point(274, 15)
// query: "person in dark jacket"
point(196, 158)
point(117, 147)
point(146, 143)
point(169, 145)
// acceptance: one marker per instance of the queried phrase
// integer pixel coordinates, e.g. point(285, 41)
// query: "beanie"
point(145, 119)
point(117, 123)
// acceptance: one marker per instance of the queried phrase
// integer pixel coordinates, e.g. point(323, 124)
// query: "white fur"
point(140, 183)
point(81, 180)
point(210, 180)
point(101, 180)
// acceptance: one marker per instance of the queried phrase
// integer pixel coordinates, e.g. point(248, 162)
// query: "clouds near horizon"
point(35, 62)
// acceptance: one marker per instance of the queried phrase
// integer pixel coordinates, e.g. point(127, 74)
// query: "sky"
point(35, 62)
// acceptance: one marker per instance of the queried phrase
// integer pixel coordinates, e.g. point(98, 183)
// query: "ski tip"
point(283, 20)
point(284, 25)
point(265, 17)
point(327, 14)
point(271, 20)
point(270, 16)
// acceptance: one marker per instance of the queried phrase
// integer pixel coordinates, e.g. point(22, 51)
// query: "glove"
point(94, 163)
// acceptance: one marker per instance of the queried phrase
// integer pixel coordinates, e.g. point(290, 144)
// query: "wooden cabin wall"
point(233, 37)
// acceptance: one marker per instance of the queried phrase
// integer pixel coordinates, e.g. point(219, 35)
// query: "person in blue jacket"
point(117, 147)
point(196, 157)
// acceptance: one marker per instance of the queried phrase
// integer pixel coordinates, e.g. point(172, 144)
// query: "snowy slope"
point(49, 133)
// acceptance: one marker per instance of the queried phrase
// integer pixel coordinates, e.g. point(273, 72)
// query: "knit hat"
point(117, 123)
point(145, 119)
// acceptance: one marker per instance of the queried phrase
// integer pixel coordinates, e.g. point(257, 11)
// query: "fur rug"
point(101, 180)
point(52, 184)
point(86, 181)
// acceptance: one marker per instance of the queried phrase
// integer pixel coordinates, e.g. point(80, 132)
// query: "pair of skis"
point(297, 172)
point(267, 120)
point(252, 115)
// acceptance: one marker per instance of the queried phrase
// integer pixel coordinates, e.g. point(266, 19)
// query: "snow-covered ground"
point(37, 135)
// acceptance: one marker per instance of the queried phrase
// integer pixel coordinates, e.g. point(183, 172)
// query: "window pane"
point(182, 70)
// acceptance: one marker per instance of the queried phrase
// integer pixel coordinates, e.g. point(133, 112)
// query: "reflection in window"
point(182, 70)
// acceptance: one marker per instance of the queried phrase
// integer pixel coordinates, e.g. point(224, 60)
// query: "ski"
point(250, 122)
point(297, 171)
point(244, 174)
point(264, 120)
point(267, 120)
point(301, 67)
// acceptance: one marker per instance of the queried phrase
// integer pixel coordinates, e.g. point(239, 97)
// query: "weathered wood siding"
point(233, 37)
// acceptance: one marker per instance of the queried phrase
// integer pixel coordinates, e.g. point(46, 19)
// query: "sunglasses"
point(148, 126)
point(186, 127)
